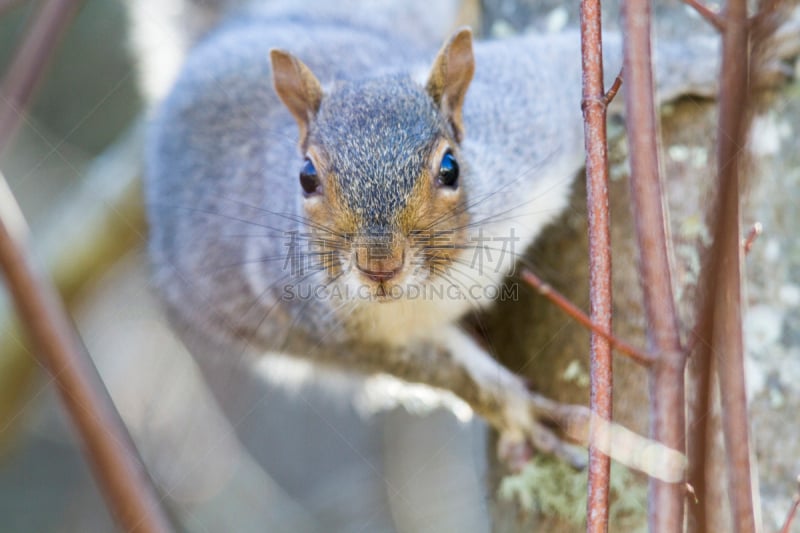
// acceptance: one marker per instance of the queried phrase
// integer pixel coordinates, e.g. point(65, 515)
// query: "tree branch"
point(787, 524)
point(594, 107)
point(713, 18)
point(726, 338)
point(572, 310)
point(666, 502)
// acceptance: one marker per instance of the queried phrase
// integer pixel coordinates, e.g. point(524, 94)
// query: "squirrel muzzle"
point(379, 257)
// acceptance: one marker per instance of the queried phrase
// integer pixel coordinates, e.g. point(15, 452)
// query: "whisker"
point(281, 231)
point(494, 217)
point(300, 219)
point(266, 259)
point(301, 312)
point(222, 215)
point(522, 175)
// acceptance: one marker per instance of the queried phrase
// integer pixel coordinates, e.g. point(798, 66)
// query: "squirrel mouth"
point(385, 292)
point(380, 276)
point(383, 272)
point(381, 289)
point(381, 295)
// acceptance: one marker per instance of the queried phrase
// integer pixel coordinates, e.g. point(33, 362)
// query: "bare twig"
point(28, 63)
point(787, 524)
point(726, 336)
point(572, 310)
point(613, 90)
point(594, 107)
point(666, 502)
point(752, 235)
point(699, 446)
point(712, 17)
point(718, 333)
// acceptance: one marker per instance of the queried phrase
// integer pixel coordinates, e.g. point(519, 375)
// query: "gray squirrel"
point(326, 187)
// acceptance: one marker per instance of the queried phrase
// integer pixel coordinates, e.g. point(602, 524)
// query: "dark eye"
point(448, 171)
point(309, 180)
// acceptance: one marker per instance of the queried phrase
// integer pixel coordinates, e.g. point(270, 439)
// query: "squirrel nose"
point(380, 270)
point(379, 275)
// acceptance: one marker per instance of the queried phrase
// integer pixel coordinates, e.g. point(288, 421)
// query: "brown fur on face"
point(431, 228)
point(436, 217)
point(377, 145)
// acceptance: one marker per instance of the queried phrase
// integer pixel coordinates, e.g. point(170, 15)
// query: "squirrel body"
point(222, 114)
point(365, 264)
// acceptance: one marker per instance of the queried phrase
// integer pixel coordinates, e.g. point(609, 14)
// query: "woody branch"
point(594, 111)
point(666, 500)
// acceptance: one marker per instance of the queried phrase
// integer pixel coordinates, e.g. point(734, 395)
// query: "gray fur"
point(377, 133)
point(224, 200)
point(223, 160)
point(224, 147)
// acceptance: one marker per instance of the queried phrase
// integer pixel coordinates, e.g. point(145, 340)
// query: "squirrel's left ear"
point(450, 76)
point(297, 87)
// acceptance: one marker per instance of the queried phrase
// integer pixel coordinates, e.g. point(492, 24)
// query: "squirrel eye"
point(309, 180)
point(448, 171)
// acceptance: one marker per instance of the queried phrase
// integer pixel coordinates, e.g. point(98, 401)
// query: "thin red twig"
point(572, 310)
point(666, 501)
point(712, 17)
point(594, 107)
point(613, 90)
point(787, 524)
point(790, 518)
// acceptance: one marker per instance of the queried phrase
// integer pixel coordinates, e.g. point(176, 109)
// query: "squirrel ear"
point(450, 76)
point(297, 87)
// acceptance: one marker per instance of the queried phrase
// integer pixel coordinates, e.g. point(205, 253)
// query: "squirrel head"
point(381, 171)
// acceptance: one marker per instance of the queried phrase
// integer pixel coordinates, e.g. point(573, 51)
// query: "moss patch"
point(550, 487)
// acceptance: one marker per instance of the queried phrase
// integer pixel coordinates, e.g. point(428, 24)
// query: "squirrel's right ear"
point(450, 77)
point(297, 87)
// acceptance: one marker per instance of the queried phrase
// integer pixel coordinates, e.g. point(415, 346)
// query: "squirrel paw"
point(546, 426)
point(515, 451)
